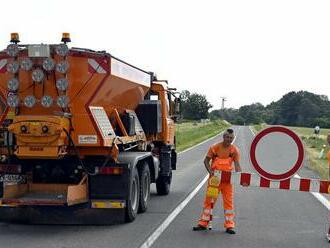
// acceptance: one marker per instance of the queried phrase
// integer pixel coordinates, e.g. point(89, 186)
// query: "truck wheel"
point(144, 187)
point(163, 184)
point(133, 199)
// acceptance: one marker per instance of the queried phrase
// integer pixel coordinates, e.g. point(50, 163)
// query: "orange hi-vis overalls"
point(220, 164)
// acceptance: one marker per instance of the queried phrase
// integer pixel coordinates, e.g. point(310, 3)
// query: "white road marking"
point(155, 235)
point(318, 196)
point(152, 238)
point(252, 131)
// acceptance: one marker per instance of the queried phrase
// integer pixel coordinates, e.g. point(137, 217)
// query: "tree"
point(194, 106)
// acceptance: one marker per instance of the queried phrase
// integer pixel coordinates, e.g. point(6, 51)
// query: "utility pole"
point(223, 99)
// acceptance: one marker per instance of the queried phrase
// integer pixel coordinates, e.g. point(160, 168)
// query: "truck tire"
point(144, 187)
point(163, 184)
point(133, 199)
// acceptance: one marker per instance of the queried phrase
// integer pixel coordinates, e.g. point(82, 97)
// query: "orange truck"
point(83, 135)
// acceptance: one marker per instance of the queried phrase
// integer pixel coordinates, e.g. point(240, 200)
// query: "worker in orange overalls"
point(221, 156)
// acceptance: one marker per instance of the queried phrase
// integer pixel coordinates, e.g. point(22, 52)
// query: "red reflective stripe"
point(225, 177)
point(304, 184)
point(265, 183)
point(111, 170)
point(103, 63)
point(285, 184)
point(324, 185)
point(245, 178)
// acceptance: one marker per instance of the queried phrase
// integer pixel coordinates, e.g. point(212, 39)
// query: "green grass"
point(192, 133)
point(313, 146)
point(257, 128)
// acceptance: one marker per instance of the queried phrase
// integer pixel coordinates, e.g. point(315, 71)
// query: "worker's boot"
point(199, 228)
point(230, 231)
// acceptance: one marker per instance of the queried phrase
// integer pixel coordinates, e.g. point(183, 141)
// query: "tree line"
point(301, 108)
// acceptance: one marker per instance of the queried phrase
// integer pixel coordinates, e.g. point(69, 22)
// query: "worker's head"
point(228, 137)
point(328, 138)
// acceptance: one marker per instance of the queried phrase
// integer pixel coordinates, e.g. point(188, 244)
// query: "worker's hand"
point(211, 173)
point(244, 184)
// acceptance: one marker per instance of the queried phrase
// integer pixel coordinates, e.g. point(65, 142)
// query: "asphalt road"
point(265, 217)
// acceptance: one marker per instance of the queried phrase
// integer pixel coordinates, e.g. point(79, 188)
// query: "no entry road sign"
point(262, 171)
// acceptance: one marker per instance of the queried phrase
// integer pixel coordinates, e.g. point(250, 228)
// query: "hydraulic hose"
point(77, 153)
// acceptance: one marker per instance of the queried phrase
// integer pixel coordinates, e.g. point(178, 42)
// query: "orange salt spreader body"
point(83, 132)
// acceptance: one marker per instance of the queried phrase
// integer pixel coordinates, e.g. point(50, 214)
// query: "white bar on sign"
point(255, 180)
point(294, 183)
point(235, 178)
point(274, 185)
point(314, 186)
point(122, 70)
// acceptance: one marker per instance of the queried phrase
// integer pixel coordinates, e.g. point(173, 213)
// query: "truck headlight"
point(38, 75)
point(26, 64)
point(12, 50)
point(48, 64)
point(46, 101)
point(13, 67)
point(13, 101)
point(62, 84)
point(62, 67)
point(62, 101)
point(13, 84)
point(30, 101)
point(62, 50)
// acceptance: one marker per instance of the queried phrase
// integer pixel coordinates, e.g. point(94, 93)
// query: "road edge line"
point(318, 196)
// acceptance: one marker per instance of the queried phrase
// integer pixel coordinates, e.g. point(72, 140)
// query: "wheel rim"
point(134, 195)
point(146, 187)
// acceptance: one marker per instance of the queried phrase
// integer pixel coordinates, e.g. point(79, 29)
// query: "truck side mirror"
point(177, 106)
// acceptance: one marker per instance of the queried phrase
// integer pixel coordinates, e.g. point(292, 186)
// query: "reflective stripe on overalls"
point(227, 196)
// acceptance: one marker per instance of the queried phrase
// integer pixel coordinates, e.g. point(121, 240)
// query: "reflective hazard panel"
point(108, 204)
point(98, 66)
point(3, 63)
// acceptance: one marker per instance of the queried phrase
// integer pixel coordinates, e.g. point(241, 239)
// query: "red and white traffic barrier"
point(296, 184)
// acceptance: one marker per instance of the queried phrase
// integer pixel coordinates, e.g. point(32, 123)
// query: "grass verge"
point(257, 128)
point(314, 145)
point(192, 133)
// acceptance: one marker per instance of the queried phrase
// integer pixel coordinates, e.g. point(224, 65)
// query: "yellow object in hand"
point(212, 189)
point(214, 181)
point(212, 192)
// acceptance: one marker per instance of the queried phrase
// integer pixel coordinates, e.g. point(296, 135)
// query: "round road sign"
point(270, 175)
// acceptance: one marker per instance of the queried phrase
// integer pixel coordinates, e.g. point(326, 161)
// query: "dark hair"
point(230, 131)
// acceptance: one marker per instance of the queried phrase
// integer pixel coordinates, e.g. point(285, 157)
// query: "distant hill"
point(300, 108)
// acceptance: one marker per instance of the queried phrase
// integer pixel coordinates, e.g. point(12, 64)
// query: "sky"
point(246, 51)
